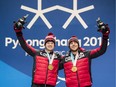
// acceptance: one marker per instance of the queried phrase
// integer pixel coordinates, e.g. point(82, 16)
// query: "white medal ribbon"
point(74, 60)
point(50, 59)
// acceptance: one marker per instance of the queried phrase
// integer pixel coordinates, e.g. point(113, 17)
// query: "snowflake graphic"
point(40, 13)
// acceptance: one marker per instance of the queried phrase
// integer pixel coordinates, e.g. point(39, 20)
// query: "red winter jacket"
point(82, 77)
point(41, 73)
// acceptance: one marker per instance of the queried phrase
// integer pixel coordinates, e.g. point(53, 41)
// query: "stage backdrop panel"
point(64, 18)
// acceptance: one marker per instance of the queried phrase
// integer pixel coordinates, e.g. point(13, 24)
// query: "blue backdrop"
point(64, 18)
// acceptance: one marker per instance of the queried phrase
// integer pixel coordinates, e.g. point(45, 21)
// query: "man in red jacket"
point(77, 61)
point(46, 62)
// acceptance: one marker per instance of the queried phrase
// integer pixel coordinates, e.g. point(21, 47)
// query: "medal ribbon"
point(74, 60)
point(50, 59)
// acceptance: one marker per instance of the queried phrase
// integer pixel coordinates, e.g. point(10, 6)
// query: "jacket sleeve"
point(30, 50)
point(100, 50)
point(61, 64)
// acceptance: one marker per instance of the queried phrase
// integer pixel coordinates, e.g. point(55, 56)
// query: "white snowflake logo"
point(40, 13)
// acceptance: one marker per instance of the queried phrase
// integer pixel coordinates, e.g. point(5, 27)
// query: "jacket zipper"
point(46, 75)
point(78, 79)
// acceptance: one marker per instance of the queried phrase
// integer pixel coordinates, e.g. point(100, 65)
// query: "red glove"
point(19, 25)
point(105, 32)
point(16, 29)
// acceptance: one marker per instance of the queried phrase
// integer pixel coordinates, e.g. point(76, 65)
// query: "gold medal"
point(74, 69)
point(50, 67)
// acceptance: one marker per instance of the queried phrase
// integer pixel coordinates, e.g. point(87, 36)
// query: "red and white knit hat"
point(50, 37)
point(73, 38)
